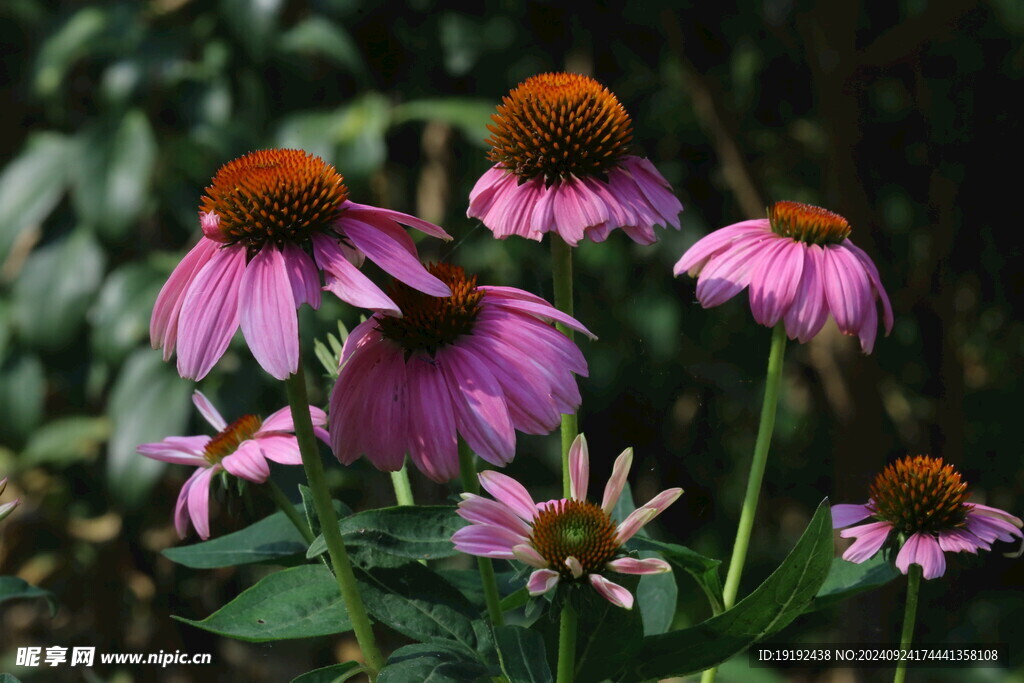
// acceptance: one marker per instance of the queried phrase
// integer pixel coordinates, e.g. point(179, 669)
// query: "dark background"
point(901, 116)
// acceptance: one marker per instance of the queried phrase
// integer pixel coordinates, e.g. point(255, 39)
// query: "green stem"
point(402, 486)
point(299, 402)
point(567, 645)
point(471, 484)
point(285, 506)
point(909, 617)
point(757, 467)
point(561, 270)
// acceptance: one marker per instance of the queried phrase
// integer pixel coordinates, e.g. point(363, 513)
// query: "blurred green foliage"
point(894, 114)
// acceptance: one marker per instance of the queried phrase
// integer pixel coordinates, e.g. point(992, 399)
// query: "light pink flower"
point(481, 363)
point(563, 540)
point(559, 143)
point(919, 504)
point(273, 220)
point(800, 266)
point(241, 448)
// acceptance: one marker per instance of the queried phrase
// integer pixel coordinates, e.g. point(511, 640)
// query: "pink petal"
point(281, 420)
point(846, 288)
point(655, 189)
point(281, 448)
point(199, 502)
point(486, 541)
point(247, 462)
point(531, 336)
point(845, 515)
point(345, 280)
point(207, 410)
point(180, 450)
point(870, 539)
point(579, 468)
point(362, 334)
point(727, 274)
point(924, 550)
point(620, 473)
point(645, 513)
point(542, 581)
point(526, 554)
point(986, 511)
point(210, 225)
point(543, 202)
point(575, 568)
point(510, 492)
point(433, 442)
point(485, 188)
point(960, 540)
point(387, 245)
point(163, 326)
point(775, 281)
point(385, 417)
point(543, 310)
point(480, 510)
point(573, 214)
point(353, 399)
point(713, 244)
point(990, 529)
point(209, 314)
point(808, 311)
point(303, 275)
point(632, 565)
point(266, 309)
point(876, 282)
point(366, 212)
point(612, 592)
point(481, 413)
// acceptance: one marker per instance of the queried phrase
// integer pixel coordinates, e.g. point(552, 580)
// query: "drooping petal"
point(844, 515)
point(481, 413)
point(347, 415)
point(611, 591)
point(209, 313)
point(870, 539)
point(384, 414)
point(281, 420)
point(847, 290)
point(922, 549)
point(579, 468)
point(510, 492)
point(198, 502)
point(266, 311)
point(645, 513)
point(632, 565)
point(991, 529)
point(808, 312)
point(387, 245)
point(526, 554)
point(433, 442)
point(616, 482)
point(987, 511)
point(725, 276)
point(180, 450)
point(775, 281)
point(655, 189)
point(709, 246)
point(280, 448)
point(367, 212)
point(207, 410)
point(303, 275)
point(961, 540)
point(346, 282)
point(541, 309)
point(247, 462)
point(163, 325)
point(876, 282)
point(541, 581)
point(486, 541)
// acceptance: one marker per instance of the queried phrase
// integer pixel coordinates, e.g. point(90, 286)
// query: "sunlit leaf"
point(65, 441)
point(272, 538)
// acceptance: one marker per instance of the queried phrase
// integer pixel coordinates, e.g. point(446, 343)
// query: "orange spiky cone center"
point(429, 322)
point(557, 125)
point(574, 528)
point(807, 223)
point(920, 494)
point(231, 437)
point(274, 195)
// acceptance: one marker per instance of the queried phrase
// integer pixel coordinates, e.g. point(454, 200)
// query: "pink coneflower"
point(481, 363)
point(920, 504)
point(563, 540)
point(241, 448)
point(800, 266)
point(272, 220)
point(559, 144)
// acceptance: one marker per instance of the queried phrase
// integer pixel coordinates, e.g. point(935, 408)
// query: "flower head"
point(272, 220)
point(241, 448)
point(482, 363)
point(570, 539)
point(800, 266)
point(7, 508)
point(559, 144)
point(920, 505)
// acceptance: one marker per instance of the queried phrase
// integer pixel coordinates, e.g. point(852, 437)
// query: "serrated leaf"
point(65, 441)
point(147, 403)
point(338, 673)
point(846, 579)
point(301, 602)
point(771, 607)
point(271, 538)
point(523, 658)
point(32, 184)
point(421, 532)
point(13, 588)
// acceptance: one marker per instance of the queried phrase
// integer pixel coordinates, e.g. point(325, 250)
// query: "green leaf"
point(54, 290)
point(147, 403)
point(609, 635)
point(656, 597)
point(81, 32)
point(119, 320)
point(22, 393)
point(319, 37)
point(268, 539)
point(433, 663)
point(704, 570)
point(65, 441)
point(31, 186)
point(848, 578)
point(111, 182)
point(421, 532)
point(340, 509)
point(771, 607)
point(523, 659)
point(301, 602)
point(255, 23)
point(8, 678)
point(13, 588)
point(418, 603)
point(338, 673)
point(470, 116)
